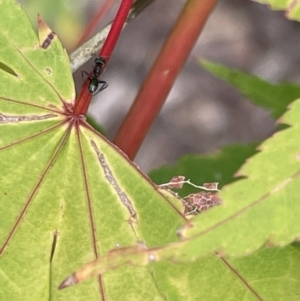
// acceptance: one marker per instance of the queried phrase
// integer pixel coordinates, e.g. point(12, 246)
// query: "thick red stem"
point(162, 75)
point(84, 98)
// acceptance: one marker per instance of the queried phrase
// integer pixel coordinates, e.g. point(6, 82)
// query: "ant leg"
point(104, 86)
point(84, 73)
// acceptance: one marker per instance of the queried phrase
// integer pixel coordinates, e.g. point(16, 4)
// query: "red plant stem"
point(158, 84)
point(84, 98)
point(115, 30)
point(91, 26)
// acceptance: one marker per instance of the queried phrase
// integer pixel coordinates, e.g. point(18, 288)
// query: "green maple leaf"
point(261, 209)
point(67, 195)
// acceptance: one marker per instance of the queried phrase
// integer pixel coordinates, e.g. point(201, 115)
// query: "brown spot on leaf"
point(46, 43)
point(48, 71)
point(196, 203)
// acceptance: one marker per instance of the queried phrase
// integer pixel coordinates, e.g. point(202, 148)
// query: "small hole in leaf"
point(48, 71)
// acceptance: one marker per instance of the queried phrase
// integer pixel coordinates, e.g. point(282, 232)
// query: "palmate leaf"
point(263, 208)
point(67, 195)
point(258, 210)
point(291, 7)
point(58, 210)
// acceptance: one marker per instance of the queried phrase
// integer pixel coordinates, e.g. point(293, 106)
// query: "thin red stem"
point(158, 84)
point(84, 98)
point(115, 30)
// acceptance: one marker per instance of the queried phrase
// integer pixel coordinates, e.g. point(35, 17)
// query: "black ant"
point(94, 81)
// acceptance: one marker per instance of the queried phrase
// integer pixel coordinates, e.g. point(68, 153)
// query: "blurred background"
point(202, 114)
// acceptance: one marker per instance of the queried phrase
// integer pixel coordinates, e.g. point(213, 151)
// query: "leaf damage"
point(24, 118)
point(133, 255)
point(6, 68)
point(140, 254)
point(194, 203)
point(46, 43)
point(46, 36)
point(113, 182)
